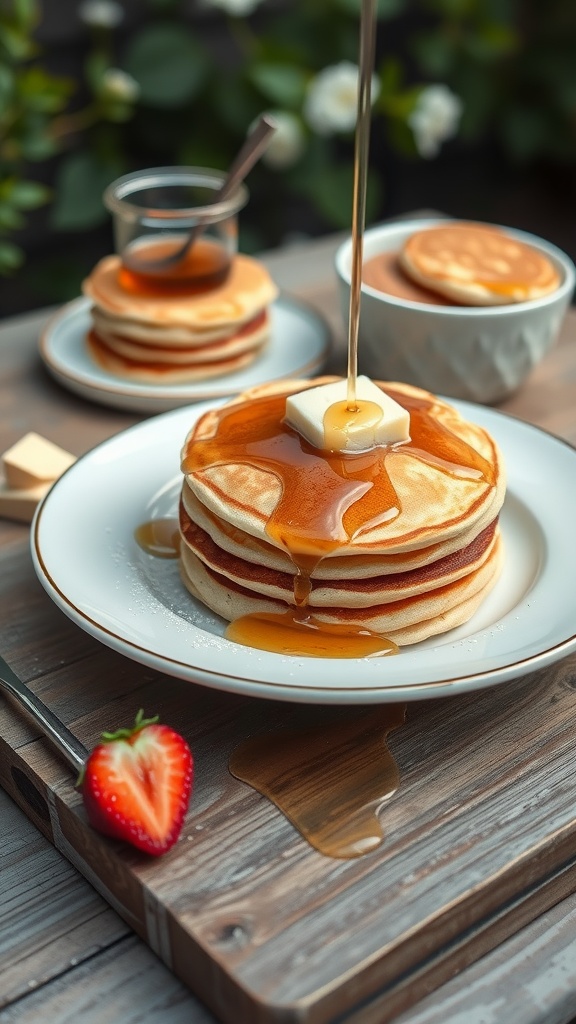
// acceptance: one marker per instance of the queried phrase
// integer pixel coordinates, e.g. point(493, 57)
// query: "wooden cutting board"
point(480, 836)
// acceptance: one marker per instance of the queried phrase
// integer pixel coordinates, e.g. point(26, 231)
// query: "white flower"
point(119, 85)
point(435, 118)
point(287, 143)
point(101, 13)
point(236, 8)
point(331, 103)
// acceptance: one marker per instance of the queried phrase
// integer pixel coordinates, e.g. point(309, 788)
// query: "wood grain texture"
point(480, 835)
point(52, 920)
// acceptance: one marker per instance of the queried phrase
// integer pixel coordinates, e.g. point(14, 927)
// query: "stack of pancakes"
point(477, 265)
point(179, 338)
point(409, 577)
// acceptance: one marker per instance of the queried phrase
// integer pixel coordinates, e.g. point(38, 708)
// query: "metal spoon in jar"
point(251, 151)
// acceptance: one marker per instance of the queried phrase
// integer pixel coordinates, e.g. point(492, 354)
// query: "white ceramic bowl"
point(479, 353)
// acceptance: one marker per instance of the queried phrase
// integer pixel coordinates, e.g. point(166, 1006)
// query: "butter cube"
point(21, 504)
point(34, 460)
point(321, 416)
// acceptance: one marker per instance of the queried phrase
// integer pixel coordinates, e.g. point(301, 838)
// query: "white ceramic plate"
point(299, 346)
point(86, 558)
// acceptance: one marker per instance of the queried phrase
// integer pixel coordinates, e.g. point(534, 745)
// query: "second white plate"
point(299, 346)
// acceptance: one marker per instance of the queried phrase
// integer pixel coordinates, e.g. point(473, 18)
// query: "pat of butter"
point(321, 416)
point(34, 460)
point(20, 504)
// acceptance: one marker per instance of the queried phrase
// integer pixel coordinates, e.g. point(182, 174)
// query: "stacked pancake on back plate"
point(418, 569)
point(179, 338)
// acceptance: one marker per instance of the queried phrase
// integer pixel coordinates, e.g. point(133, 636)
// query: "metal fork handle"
point(73, 752)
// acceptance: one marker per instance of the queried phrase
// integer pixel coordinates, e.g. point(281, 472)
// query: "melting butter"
point(326, 419)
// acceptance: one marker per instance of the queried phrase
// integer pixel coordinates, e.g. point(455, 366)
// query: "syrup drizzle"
point(159, 537)
point(330, 780)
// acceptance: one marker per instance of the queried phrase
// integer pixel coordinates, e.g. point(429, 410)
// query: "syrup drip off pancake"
point(175, 338)
point(402, 540)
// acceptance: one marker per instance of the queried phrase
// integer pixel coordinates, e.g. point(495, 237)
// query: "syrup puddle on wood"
point(330, 780)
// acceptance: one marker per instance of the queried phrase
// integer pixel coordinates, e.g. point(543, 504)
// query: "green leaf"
point(27, 13)
point(11, 257)
point(236, 105)
point(95, 65)
point(168, 63)
point(490, 42)
point(435, 53)
point(28, 195)
point(6, 86)
point(10, 218)
point(38, 146)
point(80, 182)
point(42, 92)
point(402, 138)
point(116, 111)
point(284, 84)
point(16, 43)
point(390, 75)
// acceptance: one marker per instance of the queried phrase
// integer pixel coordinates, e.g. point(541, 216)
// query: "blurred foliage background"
point(474, 113)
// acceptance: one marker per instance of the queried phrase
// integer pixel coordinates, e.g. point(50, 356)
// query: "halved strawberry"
point(136, 785)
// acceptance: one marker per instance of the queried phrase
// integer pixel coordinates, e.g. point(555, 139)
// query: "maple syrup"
point(340, 417)
point(290, 632)
point(159, 537)
point(330, 780)
point(205, 266)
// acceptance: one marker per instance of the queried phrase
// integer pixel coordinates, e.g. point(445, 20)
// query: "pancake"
point(404, 622)
point(163, 372)
point(247, 290)
point(251, 336)
point(353, 592)
point(334, 567)
point(178, 338)
point(402, 540)
point(477, 265)
point(106, 324)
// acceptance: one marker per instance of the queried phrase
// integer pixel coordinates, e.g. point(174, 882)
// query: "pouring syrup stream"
point(361, 151)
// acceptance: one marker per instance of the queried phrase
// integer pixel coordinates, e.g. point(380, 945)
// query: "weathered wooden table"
point(65, 954)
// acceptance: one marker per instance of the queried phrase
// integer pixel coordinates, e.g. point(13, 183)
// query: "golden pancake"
point(404, 622)
point(162, 372)
point(251, 336)
point(360, 592)
point(334, 567)
point(477, 265)
point(439, 496)
point(157, 336)
point(248, 290)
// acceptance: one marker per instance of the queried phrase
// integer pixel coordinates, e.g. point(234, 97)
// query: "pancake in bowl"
point(477, 265)
point(175, 338)
point(401, 541)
